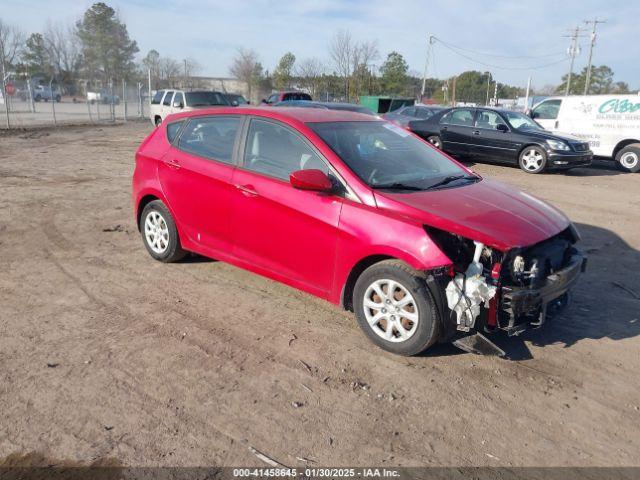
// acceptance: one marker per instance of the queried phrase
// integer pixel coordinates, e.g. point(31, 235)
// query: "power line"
point(500, 67)
point(486, 54)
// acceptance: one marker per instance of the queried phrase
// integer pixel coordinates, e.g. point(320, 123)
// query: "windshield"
point(520, 121)
point(203, 99)
point(386, 156)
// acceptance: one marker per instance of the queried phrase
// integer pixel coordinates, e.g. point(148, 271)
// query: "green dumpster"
point(383, 104)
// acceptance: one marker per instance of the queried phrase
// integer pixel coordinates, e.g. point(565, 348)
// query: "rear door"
point(195, 175)
point(277, 228)
point(546, 114)
point(490, 142)
point(456, 131)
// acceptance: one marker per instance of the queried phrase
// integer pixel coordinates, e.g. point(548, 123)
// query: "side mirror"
point(501, 127)
point(534, 115)
point(312, 179)
point(234, 103)
point(178, 105)
point(264, 100)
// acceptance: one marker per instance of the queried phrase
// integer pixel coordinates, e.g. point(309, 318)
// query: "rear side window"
point(157, 98)
point(547, 110)
point(459, 117)
point(211, 137)
point(178, 98)
point(276, 151)
point(172, 130)
point(167, 99)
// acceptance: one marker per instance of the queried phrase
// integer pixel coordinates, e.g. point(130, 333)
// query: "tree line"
point(97, 48)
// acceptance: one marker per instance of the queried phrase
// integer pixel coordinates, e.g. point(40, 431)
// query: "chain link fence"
point(45, 105)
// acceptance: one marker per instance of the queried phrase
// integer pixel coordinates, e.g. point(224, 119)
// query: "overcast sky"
point(211, 31)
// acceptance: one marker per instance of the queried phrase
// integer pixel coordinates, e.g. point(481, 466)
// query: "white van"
point(610, 123)
point(166, 102)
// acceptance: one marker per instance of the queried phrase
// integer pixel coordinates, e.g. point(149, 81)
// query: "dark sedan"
point(402, 116)
point(504, 136)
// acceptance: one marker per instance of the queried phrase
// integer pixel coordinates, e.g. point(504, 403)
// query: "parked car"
point(286, 95)
point(103, 96)
point(166, 102)
point(357, 211)
point(502, 136)
point(236, 99)
point(404, 115)
point(44, 93)
point(351, 107)
point(610, 123)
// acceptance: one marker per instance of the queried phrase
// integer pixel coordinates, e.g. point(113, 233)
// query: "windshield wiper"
point(396, 186)
point(449, 179)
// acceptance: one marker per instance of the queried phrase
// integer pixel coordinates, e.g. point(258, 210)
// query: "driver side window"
point(276, 151)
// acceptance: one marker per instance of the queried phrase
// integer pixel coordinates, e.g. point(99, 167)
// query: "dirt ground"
point(107, 355)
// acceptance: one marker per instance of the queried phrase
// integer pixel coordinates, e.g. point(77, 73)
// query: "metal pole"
point(149, 92)
point(4, 94)
point(526, 98)
point(595, 23)
point(53, 101)
point(486, 100)
point(426, 65)
point(124, 98)
point(573, 52)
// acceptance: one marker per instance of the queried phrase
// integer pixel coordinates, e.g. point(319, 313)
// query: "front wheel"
point(395, 309)
point(628, 158)
point(159, 233)
point(533, 159)
point(435, 141)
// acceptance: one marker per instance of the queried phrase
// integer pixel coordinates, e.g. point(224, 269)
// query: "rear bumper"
point(522, 307)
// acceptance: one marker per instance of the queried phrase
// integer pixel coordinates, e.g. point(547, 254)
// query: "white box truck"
point(610, 123)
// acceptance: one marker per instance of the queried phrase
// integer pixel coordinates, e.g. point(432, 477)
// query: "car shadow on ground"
point(606, 299)
point(599, 168)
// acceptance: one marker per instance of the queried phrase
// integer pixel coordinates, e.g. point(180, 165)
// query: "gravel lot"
point(109, 356)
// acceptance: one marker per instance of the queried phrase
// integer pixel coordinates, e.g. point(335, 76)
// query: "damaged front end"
point(488, 290)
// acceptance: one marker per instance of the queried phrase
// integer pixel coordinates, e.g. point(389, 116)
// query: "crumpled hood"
point(488, 211)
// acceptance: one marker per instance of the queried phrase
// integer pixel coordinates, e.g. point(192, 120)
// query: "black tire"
point(628, 158)
point(435, 141)
point(426, 327)
point(158, 121)
point(531, 162)
point(173, 251)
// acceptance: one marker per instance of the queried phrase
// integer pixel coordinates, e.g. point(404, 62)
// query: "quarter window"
point(167, 99)
point(172, 130)
point(547, 110)
point(178, 98)
point(276, 151)
point(459, 117)
point(211, 137)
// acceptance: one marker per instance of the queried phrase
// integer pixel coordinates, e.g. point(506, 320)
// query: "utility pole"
point(573, 51)
point(486, 100)
point(432, 39)
point(185, 74)
point(595, 23)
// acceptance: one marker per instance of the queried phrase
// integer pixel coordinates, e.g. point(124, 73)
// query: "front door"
point(546, 114)
point(456, 129)
point(288, 232)
point(195, 175)
point(492, 138)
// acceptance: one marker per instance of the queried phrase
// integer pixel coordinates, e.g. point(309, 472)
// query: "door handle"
point(247, 190)
point(476, 132)
point(173, 163)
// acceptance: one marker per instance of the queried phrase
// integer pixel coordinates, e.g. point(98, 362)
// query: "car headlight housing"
point(557, 145)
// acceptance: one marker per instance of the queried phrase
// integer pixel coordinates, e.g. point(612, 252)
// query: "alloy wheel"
point(629, 160)
point(532, 160)
point(156, 232)
point(390, 310)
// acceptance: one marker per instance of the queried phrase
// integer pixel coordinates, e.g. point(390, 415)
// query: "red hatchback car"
point(359, 212)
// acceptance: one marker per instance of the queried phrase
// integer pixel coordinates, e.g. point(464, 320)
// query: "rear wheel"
point(395, 309)
point(533, 159)
point(435, 141)
point(159, 233)
point(628, 158)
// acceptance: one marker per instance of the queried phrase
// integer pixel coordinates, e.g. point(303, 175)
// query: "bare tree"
point(12, 40)
point(170, 71)
point(363, 54)
point(245, 67)
point(310, 71)
point(62, 49)
point(341, 53)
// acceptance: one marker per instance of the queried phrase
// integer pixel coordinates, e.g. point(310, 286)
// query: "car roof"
point(301, 114)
